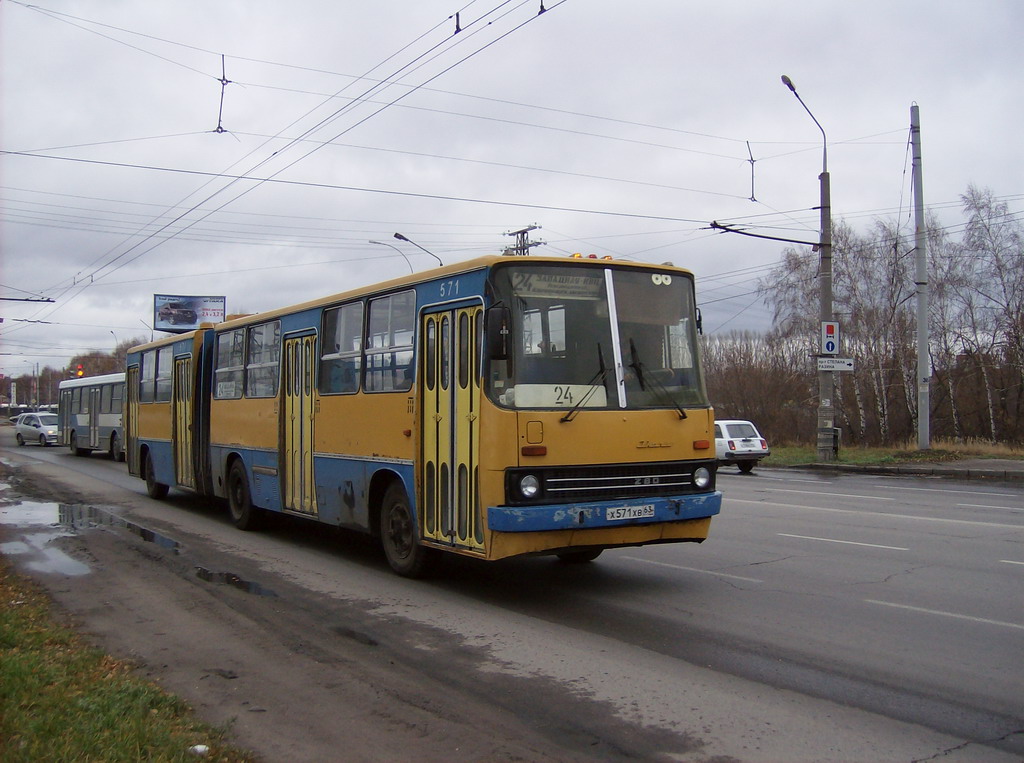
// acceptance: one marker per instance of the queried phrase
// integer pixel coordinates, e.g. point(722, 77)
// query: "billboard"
point(178, 314)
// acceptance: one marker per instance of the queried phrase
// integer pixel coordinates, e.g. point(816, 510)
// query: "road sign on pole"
point(835, 364)
point(830, 337)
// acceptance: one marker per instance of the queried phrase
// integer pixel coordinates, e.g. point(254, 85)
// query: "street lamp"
point(384, 243)
point(826, 445)
point(400, 237)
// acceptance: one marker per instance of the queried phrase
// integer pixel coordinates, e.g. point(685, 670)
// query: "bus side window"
point(389, 343)
point(342, 347)
point(262, 373)
point(164, 372)
point(229, 368)
point(147, 377)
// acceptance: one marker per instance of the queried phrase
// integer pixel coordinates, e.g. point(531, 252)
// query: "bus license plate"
point(629, 512)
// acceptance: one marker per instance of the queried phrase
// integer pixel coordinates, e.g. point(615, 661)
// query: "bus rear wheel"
point(398, 536)
point(75, 450)
point(244, 515)
point(116, 454)
point(154, 489)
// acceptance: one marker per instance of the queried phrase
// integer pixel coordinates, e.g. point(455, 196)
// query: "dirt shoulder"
point(293, 676)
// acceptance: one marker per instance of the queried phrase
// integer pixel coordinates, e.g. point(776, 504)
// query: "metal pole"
point(400, 237)
point(826, 381)
point(826, 446)
point(407, 262)
point(924, 372)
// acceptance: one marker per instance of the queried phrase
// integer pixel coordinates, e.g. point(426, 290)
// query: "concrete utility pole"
point(924, 366)
point(826, 445)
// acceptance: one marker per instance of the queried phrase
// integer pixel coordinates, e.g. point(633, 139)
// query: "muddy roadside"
point(293, 676)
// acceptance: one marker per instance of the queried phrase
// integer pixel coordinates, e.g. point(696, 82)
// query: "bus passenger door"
point(297, 490)
point(64, 410)
point(184, 469)
point(94, 417)
point(130, 420)
point(450, 416)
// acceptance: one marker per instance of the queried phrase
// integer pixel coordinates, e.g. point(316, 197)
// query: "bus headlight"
point(529, 486)
point(701, 477)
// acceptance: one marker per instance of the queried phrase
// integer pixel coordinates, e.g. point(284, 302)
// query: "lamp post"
point(407, 262)
point(826, 446)
point(400, 237)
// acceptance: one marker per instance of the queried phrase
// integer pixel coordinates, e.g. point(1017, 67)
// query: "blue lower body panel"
point(639, 511)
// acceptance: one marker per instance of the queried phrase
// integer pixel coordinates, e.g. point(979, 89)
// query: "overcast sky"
point(619, 128)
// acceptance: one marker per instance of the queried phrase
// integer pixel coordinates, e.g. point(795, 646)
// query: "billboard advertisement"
point(178, 314)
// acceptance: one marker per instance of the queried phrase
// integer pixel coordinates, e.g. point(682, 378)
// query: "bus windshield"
point(601, 338)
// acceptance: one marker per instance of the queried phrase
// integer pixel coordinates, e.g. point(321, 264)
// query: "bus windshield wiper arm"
point(601, 375)
point(637, 365)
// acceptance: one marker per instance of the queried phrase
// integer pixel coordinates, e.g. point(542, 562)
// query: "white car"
point(739, 443)
point(36, 427)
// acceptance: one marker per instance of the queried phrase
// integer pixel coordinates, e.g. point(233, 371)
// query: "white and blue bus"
point(89, 414)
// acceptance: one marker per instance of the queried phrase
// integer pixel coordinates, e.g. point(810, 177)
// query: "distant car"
point(177, 312)
point(739, 443)
point(39, 428)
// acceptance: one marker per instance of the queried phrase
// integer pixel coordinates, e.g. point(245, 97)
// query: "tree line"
point(40, 389)
point(976, 329)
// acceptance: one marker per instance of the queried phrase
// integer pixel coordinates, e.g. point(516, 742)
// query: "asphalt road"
point(827, 617)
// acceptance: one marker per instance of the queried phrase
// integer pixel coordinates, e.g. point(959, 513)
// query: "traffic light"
point(80, 370)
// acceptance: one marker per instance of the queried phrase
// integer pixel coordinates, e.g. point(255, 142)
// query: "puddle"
point(88, 517)
point(39, 524)
point(231, 579)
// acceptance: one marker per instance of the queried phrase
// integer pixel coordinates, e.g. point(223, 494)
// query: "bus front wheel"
point(398, 535)
point(154, 489)
point(244, 515)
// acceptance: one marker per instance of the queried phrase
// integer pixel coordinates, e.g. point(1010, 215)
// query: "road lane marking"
point(947, 614)
point(944, 490)
point(691, 569)
point(779, 479)
point(836, 495)
point(1009, 561)
point(877, 514)
point(983, 506)
point(846, 542)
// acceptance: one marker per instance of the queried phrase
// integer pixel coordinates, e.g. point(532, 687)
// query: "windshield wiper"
point(638, 367)
point(601, 375)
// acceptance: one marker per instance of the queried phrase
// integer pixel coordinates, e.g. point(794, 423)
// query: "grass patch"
point(942, 451)
point(65, 700)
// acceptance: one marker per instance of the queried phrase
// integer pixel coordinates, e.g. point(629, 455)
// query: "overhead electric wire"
point(98, 272)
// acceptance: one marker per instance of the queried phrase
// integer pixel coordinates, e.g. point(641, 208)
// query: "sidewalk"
point(968, 469)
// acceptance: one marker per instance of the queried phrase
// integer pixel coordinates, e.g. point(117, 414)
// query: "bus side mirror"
point(498, 330)
point(700, 323)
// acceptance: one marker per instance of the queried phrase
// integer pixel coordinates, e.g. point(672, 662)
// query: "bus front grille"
point(607, 482)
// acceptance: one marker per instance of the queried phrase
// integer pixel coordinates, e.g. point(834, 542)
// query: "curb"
point(918, 471)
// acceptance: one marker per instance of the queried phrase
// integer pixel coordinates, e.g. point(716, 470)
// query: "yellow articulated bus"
point(500, 407)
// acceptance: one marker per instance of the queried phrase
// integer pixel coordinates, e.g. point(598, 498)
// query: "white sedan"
point(36, 427)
